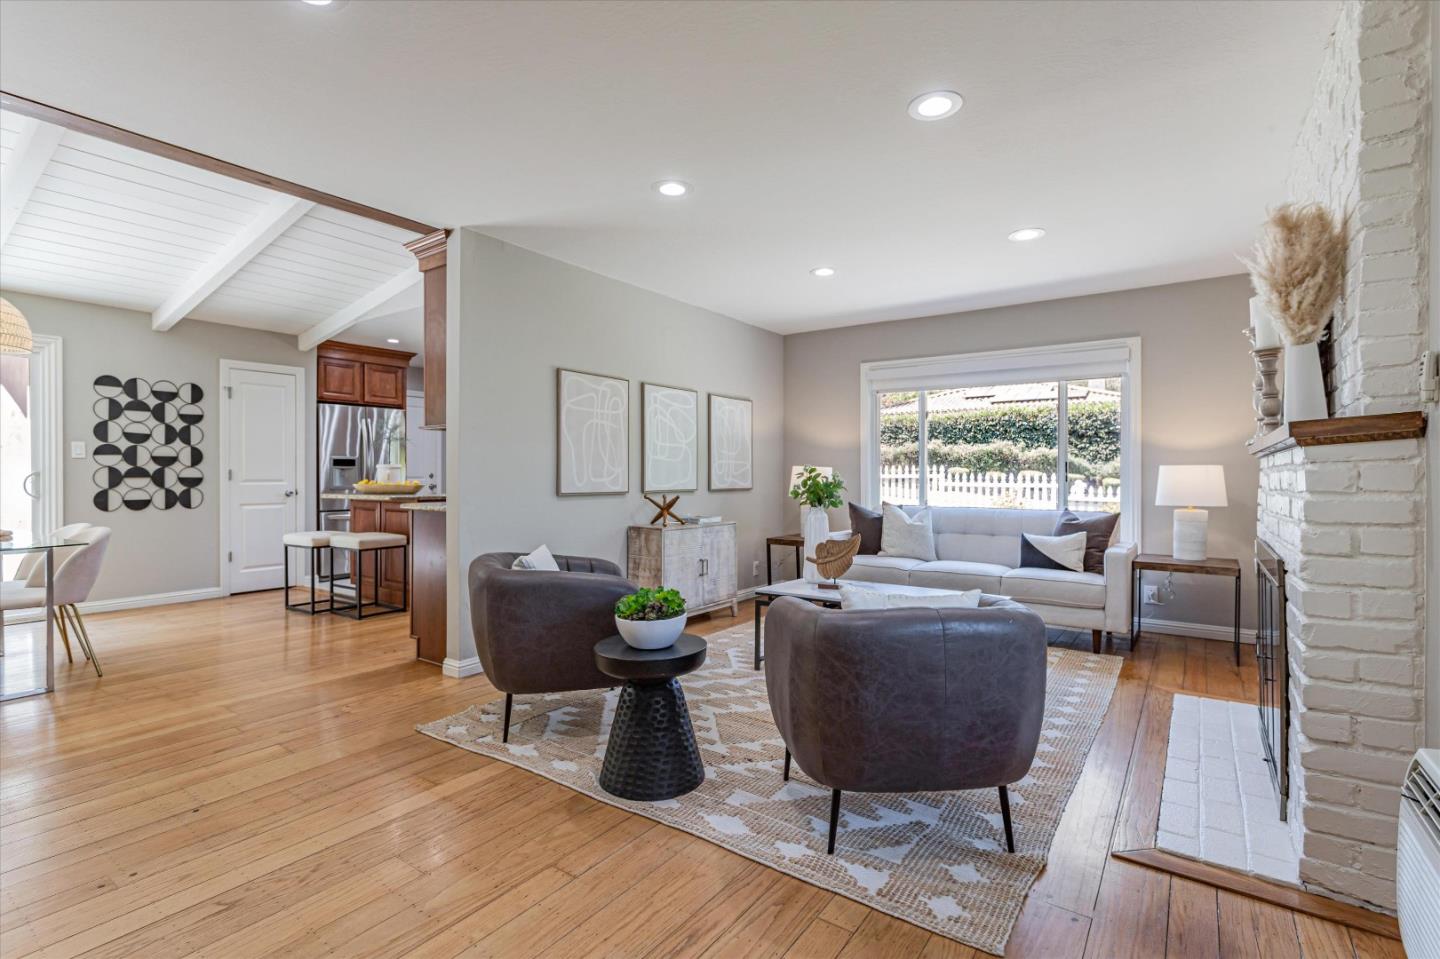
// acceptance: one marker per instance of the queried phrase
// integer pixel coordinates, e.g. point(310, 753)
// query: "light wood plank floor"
point(245, 782)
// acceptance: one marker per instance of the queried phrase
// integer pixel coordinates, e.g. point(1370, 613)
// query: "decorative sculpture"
point(1267, 391)
point(665, 509)
point(833, 557)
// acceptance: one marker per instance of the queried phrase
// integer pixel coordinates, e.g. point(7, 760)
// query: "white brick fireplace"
point(1349, 520)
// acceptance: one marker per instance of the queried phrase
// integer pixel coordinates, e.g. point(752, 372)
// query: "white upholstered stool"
point(372, 544)
point(314, 541)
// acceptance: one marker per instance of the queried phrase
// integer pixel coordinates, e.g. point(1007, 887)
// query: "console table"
point(699, 561)
point(1160, 563)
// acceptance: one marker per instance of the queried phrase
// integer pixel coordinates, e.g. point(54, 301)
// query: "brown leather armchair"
point(907, 700)
point(536, 630)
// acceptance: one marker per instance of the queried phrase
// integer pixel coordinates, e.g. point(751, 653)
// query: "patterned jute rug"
point(935, 859)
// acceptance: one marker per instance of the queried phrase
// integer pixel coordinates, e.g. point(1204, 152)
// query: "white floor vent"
point(1418, 868)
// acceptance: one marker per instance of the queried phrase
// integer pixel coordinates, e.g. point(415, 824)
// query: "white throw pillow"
point(904, 535)
point(862, 597)
point(1067, 550)
point(541, 558)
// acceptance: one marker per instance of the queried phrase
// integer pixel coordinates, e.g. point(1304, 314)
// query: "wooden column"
point(430, 251)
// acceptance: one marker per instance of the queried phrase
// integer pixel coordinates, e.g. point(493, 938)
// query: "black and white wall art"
point(669, 439)
point(148, 451)
point(592, 434)
point(731, 444)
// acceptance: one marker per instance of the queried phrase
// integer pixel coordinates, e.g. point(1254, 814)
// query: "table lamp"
point(1189, 487)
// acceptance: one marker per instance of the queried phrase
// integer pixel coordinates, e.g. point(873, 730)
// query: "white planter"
point(815, 527)
point(651, 633)
point(1304, 389)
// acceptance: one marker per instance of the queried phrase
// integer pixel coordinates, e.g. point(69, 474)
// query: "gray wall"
point(154, 551)
point(514, 317)
point(1195, 407)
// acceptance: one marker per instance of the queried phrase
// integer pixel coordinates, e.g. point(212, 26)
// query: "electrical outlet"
point(77, 449)
point(755, 568)
point(1152, 596)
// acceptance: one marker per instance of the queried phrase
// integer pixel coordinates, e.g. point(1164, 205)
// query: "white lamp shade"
point(797, 471)
point(1191, 486)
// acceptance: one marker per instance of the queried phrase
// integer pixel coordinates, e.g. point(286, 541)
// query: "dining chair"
point(75, 576)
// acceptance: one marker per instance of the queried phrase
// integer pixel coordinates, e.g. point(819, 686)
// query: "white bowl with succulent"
point(651, 618)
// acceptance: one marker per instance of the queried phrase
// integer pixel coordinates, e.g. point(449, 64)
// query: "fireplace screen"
point(1273, 659)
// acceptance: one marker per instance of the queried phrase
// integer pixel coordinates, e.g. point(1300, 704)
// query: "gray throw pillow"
point(1098, 530)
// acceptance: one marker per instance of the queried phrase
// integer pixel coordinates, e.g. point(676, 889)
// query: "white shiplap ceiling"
point(90, 220)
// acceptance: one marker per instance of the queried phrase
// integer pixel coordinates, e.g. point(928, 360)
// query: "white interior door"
point(263, 500)
point(424, 449)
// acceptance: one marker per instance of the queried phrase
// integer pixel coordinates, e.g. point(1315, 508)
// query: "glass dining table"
point(39, 544)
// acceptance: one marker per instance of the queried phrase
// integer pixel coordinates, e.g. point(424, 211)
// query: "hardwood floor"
point(243, 782)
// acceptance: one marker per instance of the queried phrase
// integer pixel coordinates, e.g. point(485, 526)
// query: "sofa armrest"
point(1118, 615)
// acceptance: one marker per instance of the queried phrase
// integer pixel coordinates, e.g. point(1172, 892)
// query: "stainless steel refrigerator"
point(351, 441)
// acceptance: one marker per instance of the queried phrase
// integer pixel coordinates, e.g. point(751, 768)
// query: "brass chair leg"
point(84, 636)
point(64, 633)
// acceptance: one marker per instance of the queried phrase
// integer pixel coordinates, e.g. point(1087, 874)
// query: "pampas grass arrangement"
point(1299, 269)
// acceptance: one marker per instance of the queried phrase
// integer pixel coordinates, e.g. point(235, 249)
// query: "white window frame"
point(1070, 361)
point(47, 440)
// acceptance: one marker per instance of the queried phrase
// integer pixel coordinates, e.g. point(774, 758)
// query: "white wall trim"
point(1199, 630)
point(222, 438)
point(124, 602)
point(1070, 361)
point(461, 668)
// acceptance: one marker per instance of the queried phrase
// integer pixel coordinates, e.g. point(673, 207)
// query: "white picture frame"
point(732, 442)
point(592, 434)
point(670, 439)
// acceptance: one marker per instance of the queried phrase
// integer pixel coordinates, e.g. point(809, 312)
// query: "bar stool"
point(314, 541)
point(374, 544)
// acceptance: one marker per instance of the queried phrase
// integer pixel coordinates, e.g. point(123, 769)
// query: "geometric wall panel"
point(148, 451)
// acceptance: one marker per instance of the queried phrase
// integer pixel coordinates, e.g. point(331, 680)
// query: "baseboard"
point(1199, 630)
point(124, 602)
point(460, 668)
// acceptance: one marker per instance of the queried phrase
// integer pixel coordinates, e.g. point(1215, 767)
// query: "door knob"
point(289, 493)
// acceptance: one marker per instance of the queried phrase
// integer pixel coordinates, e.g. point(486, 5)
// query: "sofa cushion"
point(906, 534)
point(1099, 530)
point(867, 524)
point(957, 574)
point(873, 597)
point(1054, 587)
point(1053, 552)
point(883, 569)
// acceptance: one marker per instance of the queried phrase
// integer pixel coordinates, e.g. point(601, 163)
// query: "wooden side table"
point(1211, 566)
point(789, 539)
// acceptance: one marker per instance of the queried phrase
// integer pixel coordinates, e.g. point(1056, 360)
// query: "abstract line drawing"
point(671, 439)
point(592, 434)
point(731, 457)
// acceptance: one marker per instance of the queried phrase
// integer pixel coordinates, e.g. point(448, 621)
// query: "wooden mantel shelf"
point(1408, 425)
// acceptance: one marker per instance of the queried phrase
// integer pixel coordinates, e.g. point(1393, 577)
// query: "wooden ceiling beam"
point(19, 177)
point(277, 217)
point(346, 317)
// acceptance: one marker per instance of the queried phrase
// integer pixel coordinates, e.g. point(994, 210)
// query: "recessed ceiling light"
point(318, 3)
point(672, 188)
point(1027, 234)
point(391, 340)
point(937, 105)
point(823, 271)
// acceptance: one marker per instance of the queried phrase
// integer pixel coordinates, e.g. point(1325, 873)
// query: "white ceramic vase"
point(651, 633)
point(1304, 390)
point(815, 527)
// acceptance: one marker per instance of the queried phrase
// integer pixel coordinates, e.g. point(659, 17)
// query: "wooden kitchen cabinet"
point(360, 375)
point(428, 584)
point(370, 516)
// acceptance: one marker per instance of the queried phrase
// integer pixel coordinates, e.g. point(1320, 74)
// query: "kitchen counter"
point(385, 497)
point(426, 506)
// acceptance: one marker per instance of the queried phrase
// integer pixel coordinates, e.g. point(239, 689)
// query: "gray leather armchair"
point(536, 630)
point(907, 700)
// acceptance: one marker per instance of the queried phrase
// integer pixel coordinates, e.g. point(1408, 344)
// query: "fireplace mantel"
point(1373, 428)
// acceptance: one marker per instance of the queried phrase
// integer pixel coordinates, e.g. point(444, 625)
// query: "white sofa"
point(980, 549)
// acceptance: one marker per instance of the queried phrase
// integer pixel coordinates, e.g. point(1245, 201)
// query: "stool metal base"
point(357, 609)
point(313, 606)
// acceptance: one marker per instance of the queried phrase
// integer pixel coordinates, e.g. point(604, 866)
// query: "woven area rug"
point(937, 860)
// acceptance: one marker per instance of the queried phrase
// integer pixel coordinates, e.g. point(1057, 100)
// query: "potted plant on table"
point(651, 618)
point(817, 490)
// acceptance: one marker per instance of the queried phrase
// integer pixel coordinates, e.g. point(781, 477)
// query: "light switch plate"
point(77, 449)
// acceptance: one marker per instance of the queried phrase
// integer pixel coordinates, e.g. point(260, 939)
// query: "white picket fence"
point(1028, 490)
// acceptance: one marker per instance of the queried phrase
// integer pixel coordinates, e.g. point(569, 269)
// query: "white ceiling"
point(85, 219)
point(1148, 138)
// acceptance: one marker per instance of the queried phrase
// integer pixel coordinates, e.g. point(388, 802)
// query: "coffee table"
point(829, 598)
point(651, 754)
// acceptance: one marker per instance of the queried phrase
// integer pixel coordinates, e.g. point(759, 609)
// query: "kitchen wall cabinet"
point(360, 375)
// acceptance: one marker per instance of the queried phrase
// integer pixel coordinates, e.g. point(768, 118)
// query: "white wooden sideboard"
point(699, 561)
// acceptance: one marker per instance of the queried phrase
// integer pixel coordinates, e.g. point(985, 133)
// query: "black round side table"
point(651, 754)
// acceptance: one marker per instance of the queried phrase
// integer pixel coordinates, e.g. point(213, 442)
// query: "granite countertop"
point(385, 497)
point(426, 506)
